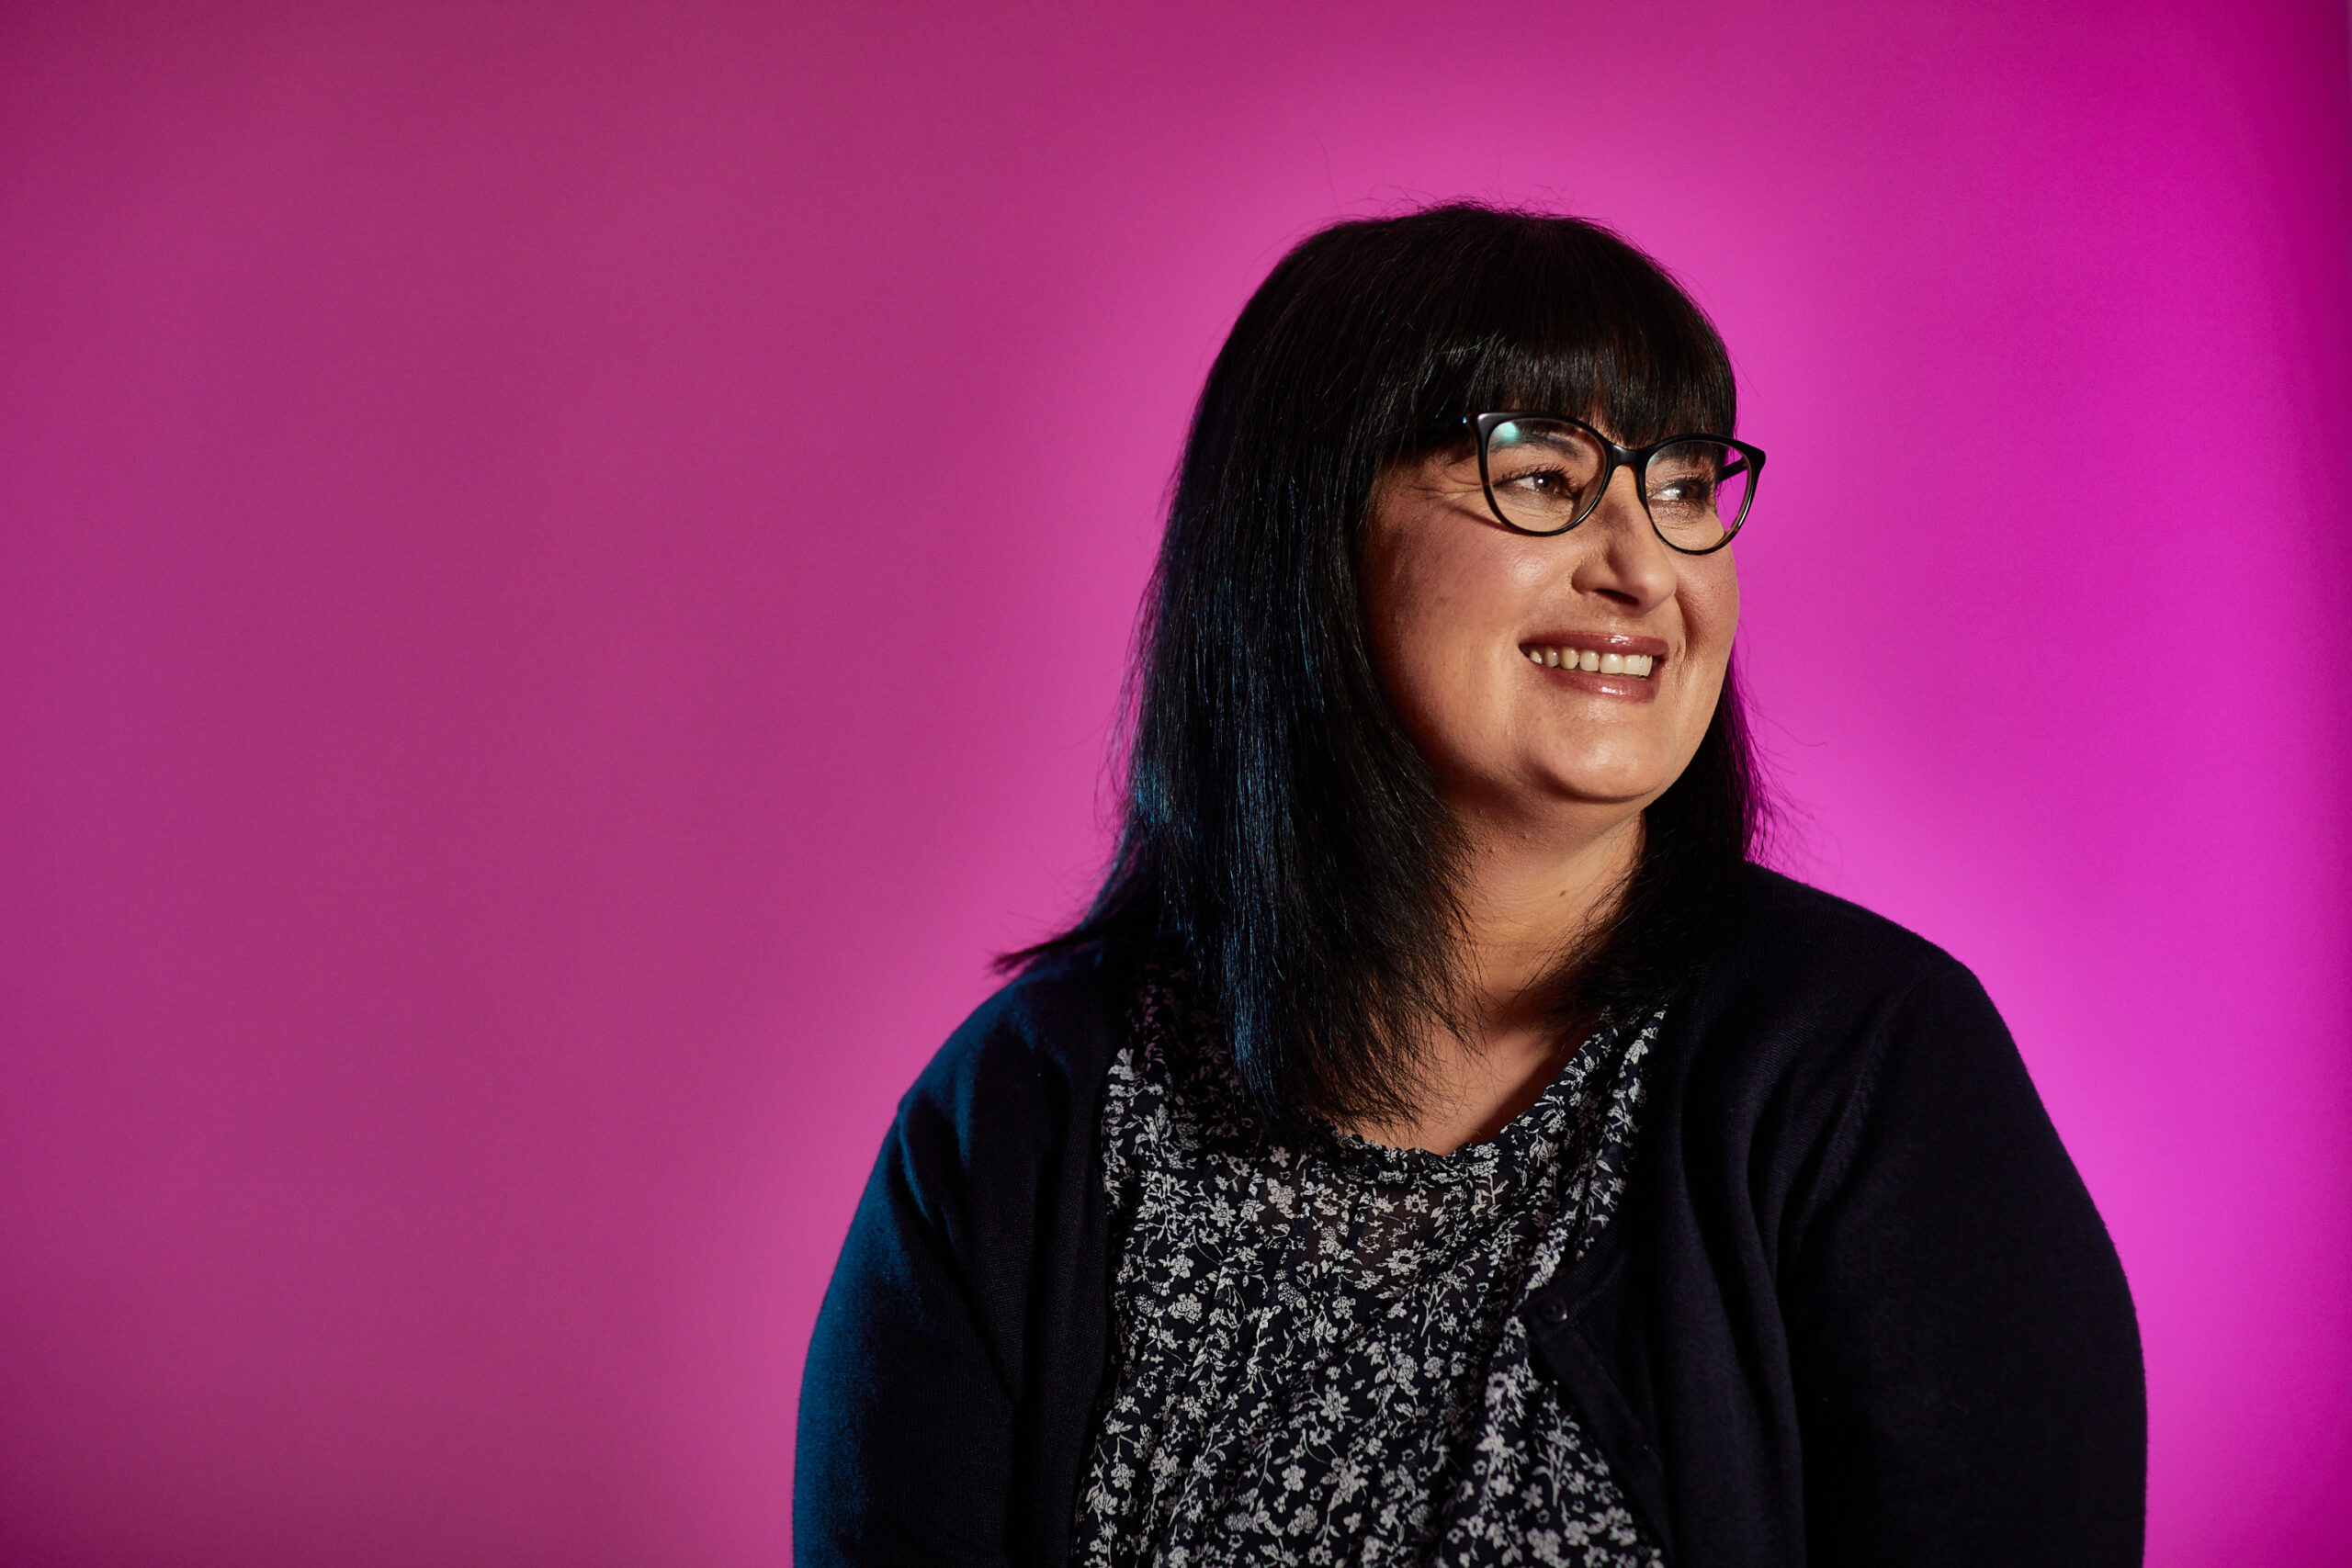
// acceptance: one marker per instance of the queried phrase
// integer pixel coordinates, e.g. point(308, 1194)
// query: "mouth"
point(1597, 653)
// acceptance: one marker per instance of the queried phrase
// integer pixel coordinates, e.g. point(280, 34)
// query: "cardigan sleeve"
point(1965, 1356)
point(905, 1450)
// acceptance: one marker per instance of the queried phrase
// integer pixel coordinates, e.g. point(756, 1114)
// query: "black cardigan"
point(1856, 1306)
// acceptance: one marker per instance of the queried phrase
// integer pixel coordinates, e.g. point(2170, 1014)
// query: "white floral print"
point(1318, 1357)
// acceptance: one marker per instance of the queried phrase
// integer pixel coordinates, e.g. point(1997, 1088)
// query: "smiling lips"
point(1593, 661)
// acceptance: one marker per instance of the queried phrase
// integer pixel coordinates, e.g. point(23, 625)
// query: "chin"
point(1613, 789)
point(1607, 778)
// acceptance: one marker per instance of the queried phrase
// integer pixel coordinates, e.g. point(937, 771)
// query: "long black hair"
point(1281, 838)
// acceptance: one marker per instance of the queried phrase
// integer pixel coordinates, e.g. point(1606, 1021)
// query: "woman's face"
point(1460, 610)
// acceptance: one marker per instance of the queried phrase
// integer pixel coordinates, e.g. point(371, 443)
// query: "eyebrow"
point(1543, 438)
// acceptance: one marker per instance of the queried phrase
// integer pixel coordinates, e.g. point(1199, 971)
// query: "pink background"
point(493, 808)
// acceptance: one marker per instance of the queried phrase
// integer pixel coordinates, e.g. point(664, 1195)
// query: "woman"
point(1438, 1142)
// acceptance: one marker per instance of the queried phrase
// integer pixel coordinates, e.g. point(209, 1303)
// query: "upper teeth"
point(1585, 659)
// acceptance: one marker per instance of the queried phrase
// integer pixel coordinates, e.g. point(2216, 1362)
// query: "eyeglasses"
point(1544, 473)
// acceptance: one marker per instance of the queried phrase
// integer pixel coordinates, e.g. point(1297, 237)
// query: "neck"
point(1528, 898)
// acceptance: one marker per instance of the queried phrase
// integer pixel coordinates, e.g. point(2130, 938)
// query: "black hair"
point(1281, 836)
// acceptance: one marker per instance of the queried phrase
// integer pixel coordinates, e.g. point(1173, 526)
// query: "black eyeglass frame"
point(1616, 458)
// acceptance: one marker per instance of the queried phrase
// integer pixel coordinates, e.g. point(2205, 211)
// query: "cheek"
point(1418, 646)
point(1432, 618)
point(1711, 613)
point(1708, 600)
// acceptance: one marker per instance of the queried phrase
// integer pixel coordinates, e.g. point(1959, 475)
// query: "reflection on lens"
point(1544, 475)
point(1697, 492)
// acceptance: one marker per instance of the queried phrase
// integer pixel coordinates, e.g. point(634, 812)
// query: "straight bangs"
point(1563, 317)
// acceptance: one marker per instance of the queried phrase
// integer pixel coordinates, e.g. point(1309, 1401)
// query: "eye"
point(1546, 482)
point(1684, 489)
point(1541, 473)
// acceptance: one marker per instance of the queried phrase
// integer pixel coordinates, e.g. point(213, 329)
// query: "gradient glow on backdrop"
point(517, 740)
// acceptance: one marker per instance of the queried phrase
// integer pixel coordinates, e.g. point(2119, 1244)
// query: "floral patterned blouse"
point(1317, 1356)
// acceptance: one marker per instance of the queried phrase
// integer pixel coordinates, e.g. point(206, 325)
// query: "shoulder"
point(1028, 1060)
point(1795, 966)
point(1809, 1005)
point(1824, 1061)
point(1815, 940)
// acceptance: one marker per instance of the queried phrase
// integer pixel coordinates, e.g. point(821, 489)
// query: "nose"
point(1625, 561)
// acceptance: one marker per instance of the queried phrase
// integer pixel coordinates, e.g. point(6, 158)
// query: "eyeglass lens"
point(1546, 474)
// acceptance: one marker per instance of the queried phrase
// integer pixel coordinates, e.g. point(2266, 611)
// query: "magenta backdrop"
point(498, 794)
